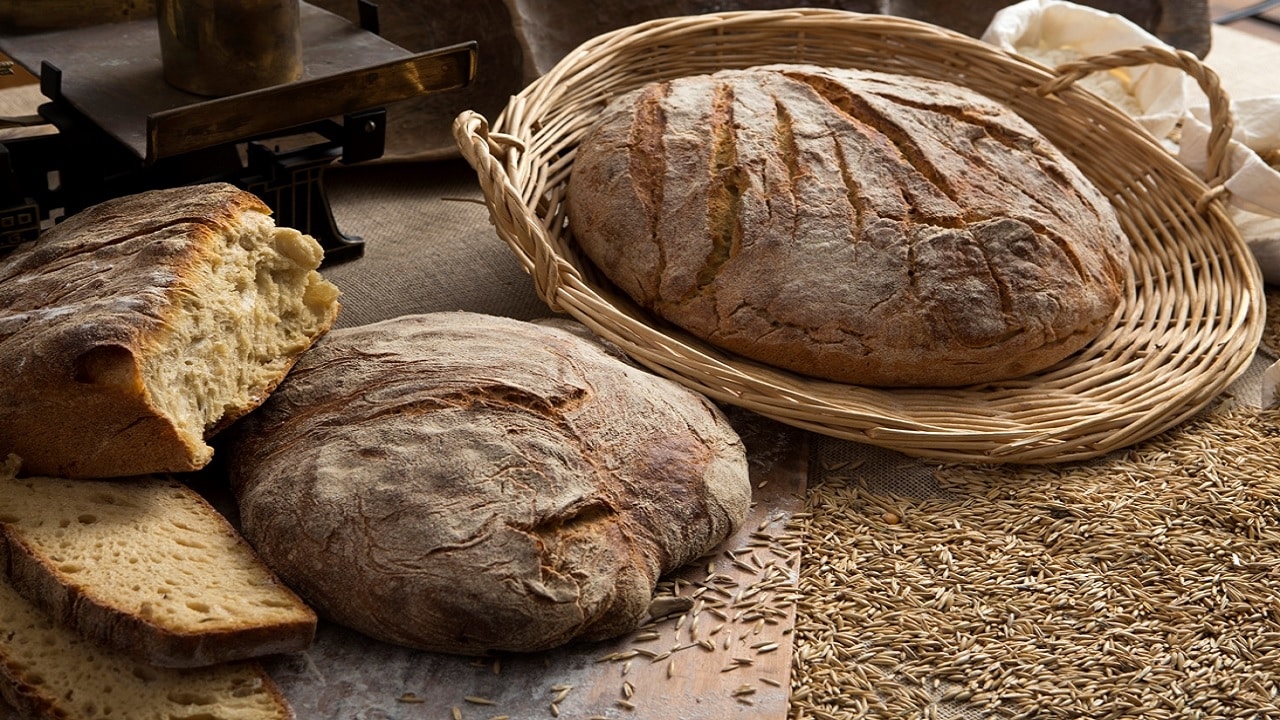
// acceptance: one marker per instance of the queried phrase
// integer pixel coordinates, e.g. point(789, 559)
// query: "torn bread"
point(135, 329)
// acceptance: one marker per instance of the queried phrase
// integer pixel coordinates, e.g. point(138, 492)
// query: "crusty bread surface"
point(145, 566)
point(862, 227)
point(135, 329)
point(49, 671)
point(466, 483)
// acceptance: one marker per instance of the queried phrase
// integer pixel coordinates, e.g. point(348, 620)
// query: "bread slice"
point(146, 566)
point(48, 670)
point(137, 328)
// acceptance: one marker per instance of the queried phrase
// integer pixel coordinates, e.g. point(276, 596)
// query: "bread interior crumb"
point(242, 319)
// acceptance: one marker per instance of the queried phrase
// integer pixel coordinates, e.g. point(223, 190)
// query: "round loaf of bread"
point(467, 483)
point(862, 227)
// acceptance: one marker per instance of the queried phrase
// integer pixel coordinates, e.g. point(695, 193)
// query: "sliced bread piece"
point(49, 671)
point(146, 566)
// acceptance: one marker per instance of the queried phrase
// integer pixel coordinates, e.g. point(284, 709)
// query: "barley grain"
point(561, 692)
point(1128, 586)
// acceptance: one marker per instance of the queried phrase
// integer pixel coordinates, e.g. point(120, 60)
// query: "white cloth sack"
point(1052, 32)
point(1163, 100)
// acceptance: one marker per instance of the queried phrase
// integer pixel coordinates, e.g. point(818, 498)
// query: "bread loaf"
point(147, 567)
point(135, 329)
point(466, 483)
point(862, 227)
point(50, 671)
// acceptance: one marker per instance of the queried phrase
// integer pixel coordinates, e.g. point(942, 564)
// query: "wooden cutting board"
point(722, 649)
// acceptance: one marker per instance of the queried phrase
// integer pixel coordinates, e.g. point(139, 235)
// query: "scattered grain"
point(561, 692)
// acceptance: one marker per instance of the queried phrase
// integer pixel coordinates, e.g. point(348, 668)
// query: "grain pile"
point(1145, 584)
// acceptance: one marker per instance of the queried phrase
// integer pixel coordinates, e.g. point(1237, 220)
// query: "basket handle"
point(492, 155)
point(1221, 121)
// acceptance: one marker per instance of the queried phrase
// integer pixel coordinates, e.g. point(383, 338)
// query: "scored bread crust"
point(856, 226)
point(122, 329)
point(147, 567)
point(466, 483)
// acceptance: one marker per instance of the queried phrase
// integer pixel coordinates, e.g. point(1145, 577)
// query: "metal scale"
point(122, 128)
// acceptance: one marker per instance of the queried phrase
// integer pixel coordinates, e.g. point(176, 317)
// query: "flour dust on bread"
point(862, 227)
point(48, 670)
point(466, 483)
point(146, 566)
point(132, 331)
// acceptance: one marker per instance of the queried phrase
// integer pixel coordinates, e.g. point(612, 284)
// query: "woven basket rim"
point(1189, 326)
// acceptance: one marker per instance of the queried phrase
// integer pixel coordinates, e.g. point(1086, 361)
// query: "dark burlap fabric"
point(429, 245)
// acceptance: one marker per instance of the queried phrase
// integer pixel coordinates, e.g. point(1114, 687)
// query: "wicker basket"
point(1189, 325)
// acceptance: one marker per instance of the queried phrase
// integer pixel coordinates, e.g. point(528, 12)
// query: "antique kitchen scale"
point(267, 107)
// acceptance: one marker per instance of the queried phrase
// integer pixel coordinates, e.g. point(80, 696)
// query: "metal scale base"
point(122, 129)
